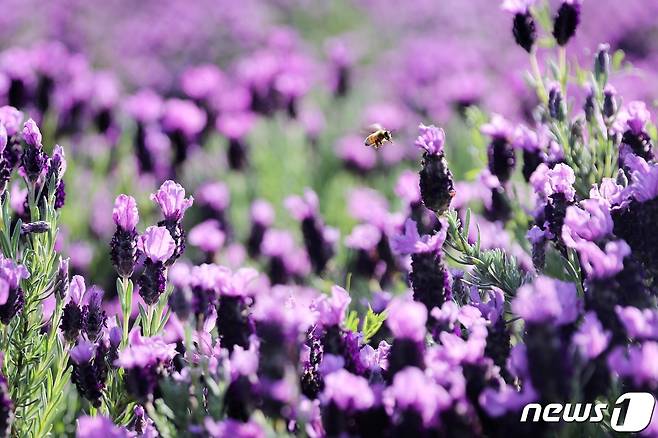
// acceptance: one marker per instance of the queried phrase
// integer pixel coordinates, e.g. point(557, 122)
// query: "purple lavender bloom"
point(566, 21)
point(202, 82)
point(94, 320)
point(262, 217)
point(144, 360)
point(93, 427)
point(123, 246)
point(603, 262)
point(523, 27)
point(73, 316)
point(158, 246)
point(547, 301)
point(207, 236)
point(413, 391)
point(501, 156)
point(331, 310)
point(640, 324)
point(170, 197)
point(559, 179)
point(350, 149)
point(11, 275)
point(90, 370)
point(431, 139)
point(11, 118)
point(31, 134)
point(233, 428)
point(591, 339)
point(348, 392)
point(636, 363)
point(364, 237)
point(412, 243)
point(635, 116)
point(406, 319)
point(183, 116)
point(318, 239)
point(125, 213)
point(235, 126)
point(590, 223)
point(145, 106)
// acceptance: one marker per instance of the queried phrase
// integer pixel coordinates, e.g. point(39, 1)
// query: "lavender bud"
point(609, 101)
point(94, 316)
point(71, 324)
point(566, 21)
point(35, 227)
point(602, 64)
point(556, 105)
point(62, 279)
point(524, 30)
point(180, 303)
point(589, 107)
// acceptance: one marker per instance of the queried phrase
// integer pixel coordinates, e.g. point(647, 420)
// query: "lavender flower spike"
point(171, 199)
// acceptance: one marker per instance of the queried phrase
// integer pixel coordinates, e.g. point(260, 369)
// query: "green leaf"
point(352, 321)
point(372, 323)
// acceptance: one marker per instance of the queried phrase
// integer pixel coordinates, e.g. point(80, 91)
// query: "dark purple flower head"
point(157, 244)
point(412, 243)
point(331, 310)
point(183, 116)
point(203, 81)
point(546, 300)
point(591, 221)
point(566, 21)
point(349, 392)
point(125, 213)
point(31, 134)
point(591, 339)
point(11, 118)
point(431, 139)
point(171, 199)
point(406, 319)
point(262, 213)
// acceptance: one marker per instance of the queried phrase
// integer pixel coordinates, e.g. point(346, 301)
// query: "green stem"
point(539, 81)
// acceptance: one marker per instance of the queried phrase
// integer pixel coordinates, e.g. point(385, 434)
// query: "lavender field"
point(206, 230)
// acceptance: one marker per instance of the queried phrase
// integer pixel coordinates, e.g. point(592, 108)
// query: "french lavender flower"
point(557, 107)
point(12, 296)
point(406, 320)
point(72, 315)
point(123, 246)
point(171, 199)
point(524, 29)
point(56, 168)
point(436, 185)
point(261, 214)
point(430, 280)
point(500, 153)
point(636, 116)
point(602, 63)
point(145, 360)
point(234, 324)
point(95, 319)
point(61, 286)
point(546, 305)
point(235, 126)
point(183, 121)
point(527, 141)
point(90, 370)
point(34, 159)
point(566, 21)
point(345, 396)
point(609, 102)
point(555, 193)
point(213, 199)
point(158, 246)
point(99, 425)
point(318, 239)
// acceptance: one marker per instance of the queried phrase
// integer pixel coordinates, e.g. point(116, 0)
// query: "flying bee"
point(378, 136)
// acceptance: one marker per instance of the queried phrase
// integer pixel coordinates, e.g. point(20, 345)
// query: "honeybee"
point(378, 136)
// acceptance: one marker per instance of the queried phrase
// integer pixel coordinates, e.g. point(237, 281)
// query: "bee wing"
point(369, 129)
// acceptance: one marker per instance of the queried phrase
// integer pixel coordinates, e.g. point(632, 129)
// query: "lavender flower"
point(523, 28)
point(90, 427)
point(262, 217)
point(501, 157)
point(11, 275)
point(171, 199)
point(436, 185)
point(73, 316)
point(566, 21)
point(89, 370)
point(34, 159)
point(158, 246)
point(123, 246)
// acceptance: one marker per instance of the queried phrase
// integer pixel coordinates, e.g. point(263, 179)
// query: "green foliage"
point(490, 268)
